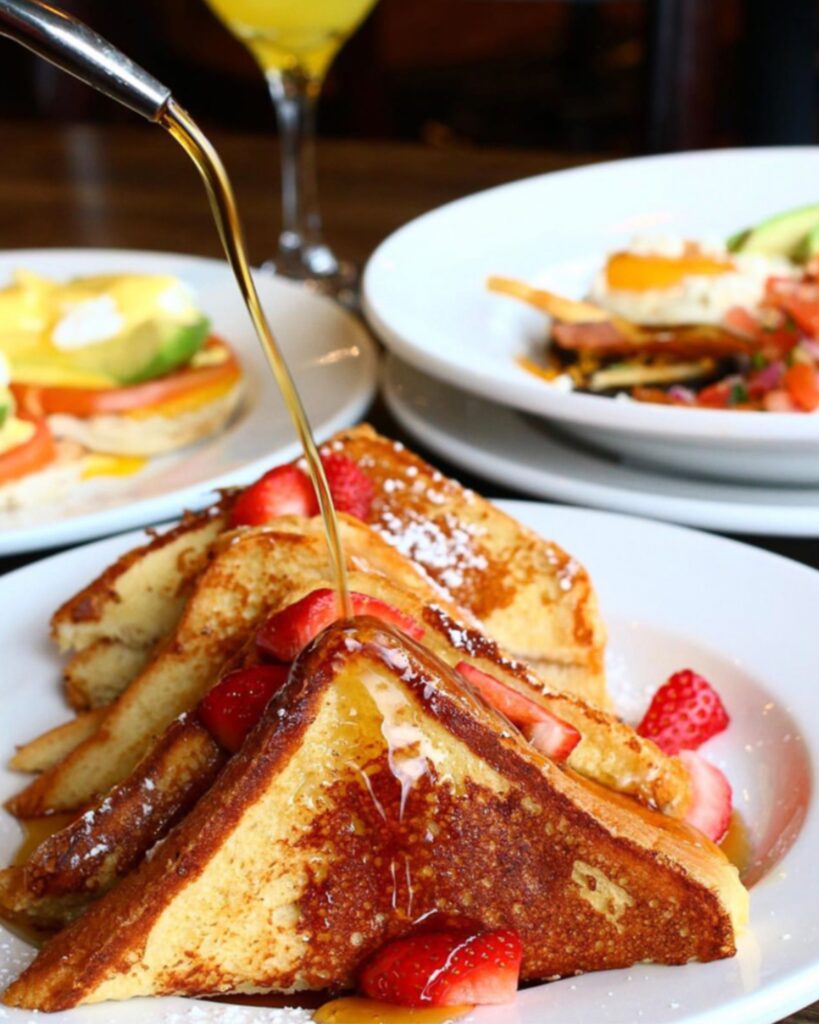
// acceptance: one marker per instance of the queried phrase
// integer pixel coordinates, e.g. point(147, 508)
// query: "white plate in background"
point(425, 295)
point(528, 454)
point(671, 598)
point(330, 354)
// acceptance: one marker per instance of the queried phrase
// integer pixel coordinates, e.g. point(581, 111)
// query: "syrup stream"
point(223, 206)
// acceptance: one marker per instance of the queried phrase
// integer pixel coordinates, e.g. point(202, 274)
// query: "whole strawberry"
point(684, 713)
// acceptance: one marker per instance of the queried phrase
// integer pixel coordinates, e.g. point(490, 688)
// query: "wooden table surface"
point(131, 187)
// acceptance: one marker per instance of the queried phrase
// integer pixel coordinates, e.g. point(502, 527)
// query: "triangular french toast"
point(529, 594)
point(251, 573)
point(378, 794)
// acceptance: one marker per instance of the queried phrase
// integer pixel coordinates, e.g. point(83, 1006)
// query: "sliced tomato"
point(39, 400)
point(802, 385)
point(29, 456)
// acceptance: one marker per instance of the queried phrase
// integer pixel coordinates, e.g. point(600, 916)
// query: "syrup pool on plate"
point(357, 1010)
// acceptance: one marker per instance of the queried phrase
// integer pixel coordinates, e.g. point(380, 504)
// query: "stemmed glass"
point(294, 42)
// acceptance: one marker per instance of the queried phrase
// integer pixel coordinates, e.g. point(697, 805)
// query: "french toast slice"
point(112, 624)
point(49, 748)
point(256, 572)
point(530, 595)
point(362, 803)
point(87, 856)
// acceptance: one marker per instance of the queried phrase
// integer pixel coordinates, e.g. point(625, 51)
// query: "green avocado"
point(151, 350)
point(782, 235)
point(810, 246)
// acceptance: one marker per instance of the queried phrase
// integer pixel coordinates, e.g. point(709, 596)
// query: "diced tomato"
point(800, 299)
point(40, 400)
point(715, 396)
point(802, 385)
point(741, 320)
point(778, 400)
point(30, 456)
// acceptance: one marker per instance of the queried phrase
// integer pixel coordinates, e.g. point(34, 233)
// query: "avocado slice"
point(782, 235)
point(151, 350)
point(810, 246)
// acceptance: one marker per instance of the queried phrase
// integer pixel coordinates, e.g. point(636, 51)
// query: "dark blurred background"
point(614, 76)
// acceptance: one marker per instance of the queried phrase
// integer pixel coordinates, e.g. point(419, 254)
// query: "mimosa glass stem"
point(302, 252)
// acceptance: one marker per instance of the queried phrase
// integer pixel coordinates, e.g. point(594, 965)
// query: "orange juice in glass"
point(294, 42)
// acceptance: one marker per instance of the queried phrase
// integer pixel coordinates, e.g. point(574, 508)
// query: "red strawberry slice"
point(553, 737)
point(685, 712)
point(284, 491)
point(710, 809)
point(231, 709)
point(549, 734)
point(351, 488)
point(289, 631)
point(446, 969)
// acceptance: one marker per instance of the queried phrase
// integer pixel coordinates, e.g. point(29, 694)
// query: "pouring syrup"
point(226, 215)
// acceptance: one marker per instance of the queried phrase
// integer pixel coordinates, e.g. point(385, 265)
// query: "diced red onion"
point(681, 394)
point(768, 377)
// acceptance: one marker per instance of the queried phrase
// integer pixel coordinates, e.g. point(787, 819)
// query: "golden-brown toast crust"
point(82, 619)
point(586, 883)
point(85, 858)
point(530, 595)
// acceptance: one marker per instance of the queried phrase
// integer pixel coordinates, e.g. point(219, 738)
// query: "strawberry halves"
point(284, 635)
point(288, 491)
point(284, 491)
point(445, 969)
point(351, 488)
point(684, 713)
point(545, 731)
point(231, 709)
point(711, 797)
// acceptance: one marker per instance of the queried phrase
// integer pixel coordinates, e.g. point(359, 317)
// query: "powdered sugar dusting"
point(178, 1011)
point(445, 548)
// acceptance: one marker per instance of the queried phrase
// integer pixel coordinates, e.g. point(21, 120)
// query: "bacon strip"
point(605, 339)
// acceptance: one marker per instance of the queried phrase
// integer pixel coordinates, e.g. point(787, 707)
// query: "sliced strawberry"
point(446, 969)
point(351, 488)
point(289, 631)
point(284, 491)
point(553, 737)
point(684, 713)
point(710, 809)
point(545, 731)
point(231, 709)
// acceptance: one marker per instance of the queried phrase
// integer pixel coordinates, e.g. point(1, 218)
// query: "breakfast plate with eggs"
point(667, 307)
point(132, 385)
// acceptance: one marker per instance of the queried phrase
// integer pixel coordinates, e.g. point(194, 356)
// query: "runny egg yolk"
point(626, 271)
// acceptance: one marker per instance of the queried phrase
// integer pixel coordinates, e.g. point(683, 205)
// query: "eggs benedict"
point(122, 364)
point(32, 463)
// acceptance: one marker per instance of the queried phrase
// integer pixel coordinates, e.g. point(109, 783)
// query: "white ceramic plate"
point(671, 597)
point(424, 293)
point(331, 355)
point(529, 454)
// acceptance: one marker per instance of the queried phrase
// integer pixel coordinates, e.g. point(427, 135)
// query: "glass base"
point(317, 268)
